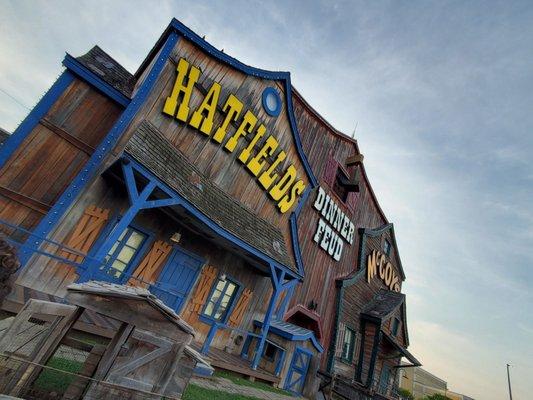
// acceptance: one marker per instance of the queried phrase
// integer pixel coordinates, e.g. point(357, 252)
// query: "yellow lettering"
point(267, 178)
point(286, 203)
point(257, 163)
point(232, 108)
point(180, 87)
point(280, 188)
point(208, 106)
point(388, 273)
point(371, 265)
point(245, 154)
point(382, 263)
point(247, 125)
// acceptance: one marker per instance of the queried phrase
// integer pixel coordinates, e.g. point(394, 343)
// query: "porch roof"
point(383, 304)
point(292, 332)
point(149, 147)
point(402, 350)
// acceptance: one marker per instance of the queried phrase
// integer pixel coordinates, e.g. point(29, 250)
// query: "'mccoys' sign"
point(260, 157)
point(334, 227)
point(377, 264)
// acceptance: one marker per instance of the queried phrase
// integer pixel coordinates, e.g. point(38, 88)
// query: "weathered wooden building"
point(217, 187)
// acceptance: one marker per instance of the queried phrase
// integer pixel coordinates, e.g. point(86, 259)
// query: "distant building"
point(422, 383)
point(3, 135)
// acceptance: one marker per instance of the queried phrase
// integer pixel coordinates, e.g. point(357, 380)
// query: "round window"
point(271, 101)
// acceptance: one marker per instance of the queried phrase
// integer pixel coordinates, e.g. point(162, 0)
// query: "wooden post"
point(277, 283)
point(112, 350)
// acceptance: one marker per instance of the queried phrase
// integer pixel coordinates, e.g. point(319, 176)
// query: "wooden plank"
point(67, 136)
point(25, 200)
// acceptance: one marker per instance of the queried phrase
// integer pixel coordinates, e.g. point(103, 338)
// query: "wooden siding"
point(320, 145)
point(51, 276)
point(53, 153)
point(210, 157)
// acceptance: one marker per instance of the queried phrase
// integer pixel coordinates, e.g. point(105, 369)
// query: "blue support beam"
point(278, 277)
point(138, 202)
point(210, 336)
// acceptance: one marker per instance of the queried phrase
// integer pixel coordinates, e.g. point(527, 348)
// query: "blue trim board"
point(89, 76)
point(293, 336)
point(15, 140)
point(91, 168)
point(293, 220)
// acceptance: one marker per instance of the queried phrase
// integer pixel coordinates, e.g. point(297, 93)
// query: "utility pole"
point(509, 381)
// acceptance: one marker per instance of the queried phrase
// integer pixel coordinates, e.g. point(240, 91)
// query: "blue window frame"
point(124, 254)
point(221, 298)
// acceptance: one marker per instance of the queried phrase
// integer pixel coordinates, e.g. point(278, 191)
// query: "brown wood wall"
point(321, 271)
point(356, 297)
point(53, 153)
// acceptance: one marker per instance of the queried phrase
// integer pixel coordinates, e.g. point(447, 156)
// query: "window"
point(123, 252)
point(338, 187)
point(348, 344)
point(395, 326)
point(270, 351)
point(386, 247)
point(384, 380)
point(220, 299)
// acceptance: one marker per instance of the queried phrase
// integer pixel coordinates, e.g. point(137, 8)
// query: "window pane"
point(126, 254)
point(123, 234)
point(135, 240)
point(220, 299)
point(209, 309)
point(112, 251)
point(231, 288)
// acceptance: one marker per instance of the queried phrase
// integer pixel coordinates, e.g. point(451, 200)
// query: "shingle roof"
point(149, 147)
point(383, 304)
point(3, 135)
point(109, 70)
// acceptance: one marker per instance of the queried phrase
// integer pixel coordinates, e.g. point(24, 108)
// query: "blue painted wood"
point(293, 221)
point(246, 346)
point(277, 283)
point(93, 265)
point(298, 370)
point(210, 336)
point(92, 166)
point(90, 77)
point(281, 360)
point(177, 279)
point(15, 140)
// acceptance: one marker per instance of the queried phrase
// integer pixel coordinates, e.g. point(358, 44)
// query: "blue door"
point(298, 371)
point(177, 278)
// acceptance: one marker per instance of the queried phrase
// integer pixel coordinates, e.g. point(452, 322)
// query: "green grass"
point(194, 392)
point(238, 380)
point(55, 381)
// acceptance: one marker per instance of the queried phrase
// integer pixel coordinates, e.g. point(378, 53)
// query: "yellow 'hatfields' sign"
point(283, 188)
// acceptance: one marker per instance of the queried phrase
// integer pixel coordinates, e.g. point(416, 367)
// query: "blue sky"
point(441, 93)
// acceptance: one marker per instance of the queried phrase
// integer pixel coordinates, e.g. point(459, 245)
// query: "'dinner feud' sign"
point(284, 188)
point(333, 226)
